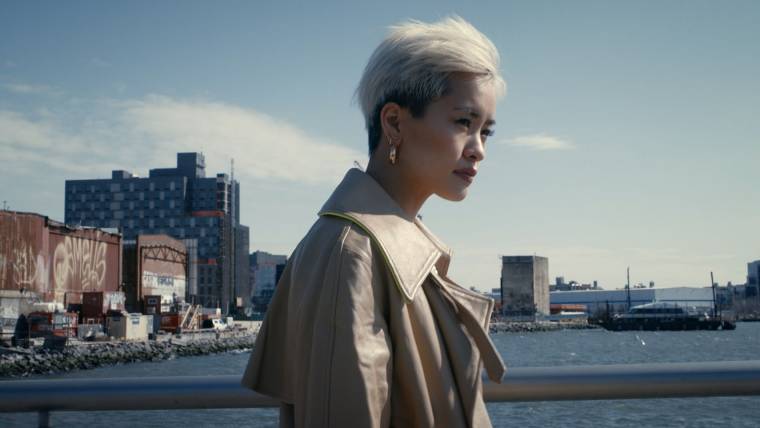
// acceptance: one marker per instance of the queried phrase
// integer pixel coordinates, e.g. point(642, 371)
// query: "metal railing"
point(603, 382)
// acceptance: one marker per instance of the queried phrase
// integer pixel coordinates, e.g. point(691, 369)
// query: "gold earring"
point(392, 155)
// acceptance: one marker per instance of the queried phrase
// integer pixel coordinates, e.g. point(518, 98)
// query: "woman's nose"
point(475, 150)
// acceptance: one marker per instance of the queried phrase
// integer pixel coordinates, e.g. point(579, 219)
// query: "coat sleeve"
point(347, 381)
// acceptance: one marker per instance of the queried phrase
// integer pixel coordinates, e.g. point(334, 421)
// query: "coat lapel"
point(409, 249)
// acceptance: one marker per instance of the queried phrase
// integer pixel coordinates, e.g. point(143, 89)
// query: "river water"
point(569, 347)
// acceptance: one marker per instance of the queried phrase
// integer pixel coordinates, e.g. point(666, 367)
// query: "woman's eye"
point(464, 122)
point(487, 133)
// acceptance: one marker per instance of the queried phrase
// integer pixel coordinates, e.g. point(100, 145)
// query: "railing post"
point(43, 419)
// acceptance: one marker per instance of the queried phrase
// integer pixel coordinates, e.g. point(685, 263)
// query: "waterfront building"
point(46, 264)
point(525, 286)
point(154, 268)
point(266, 270)
point(597, 302)
point(203, 212)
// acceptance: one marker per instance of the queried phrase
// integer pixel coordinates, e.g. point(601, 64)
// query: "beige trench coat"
point(366, 330)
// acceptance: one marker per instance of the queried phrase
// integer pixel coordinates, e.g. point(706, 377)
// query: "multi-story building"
point(753, 278)
point(265, 273)
point(525, 286)
point(181, 202)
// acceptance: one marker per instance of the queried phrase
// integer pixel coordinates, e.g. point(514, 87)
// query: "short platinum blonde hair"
point(414, 63)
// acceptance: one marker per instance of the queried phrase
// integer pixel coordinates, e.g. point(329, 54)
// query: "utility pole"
point(628, 288)
point(715, 300)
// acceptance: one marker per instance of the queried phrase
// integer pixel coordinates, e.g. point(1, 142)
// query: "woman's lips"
point(466, 174)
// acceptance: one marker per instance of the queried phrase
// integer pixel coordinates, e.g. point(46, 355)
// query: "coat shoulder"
point(329, 232)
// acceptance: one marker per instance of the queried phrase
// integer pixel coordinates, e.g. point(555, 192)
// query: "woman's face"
point(441, 151)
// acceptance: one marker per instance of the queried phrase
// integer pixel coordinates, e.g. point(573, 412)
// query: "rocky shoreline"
point(538, 326)
point(88, 355)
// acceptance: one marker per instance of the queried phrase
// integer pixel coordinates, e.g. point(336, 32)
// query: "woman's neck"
point(400, 188)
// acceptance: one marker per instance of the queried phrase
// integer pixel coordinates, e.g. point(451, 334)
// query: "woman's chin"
point(453, 195)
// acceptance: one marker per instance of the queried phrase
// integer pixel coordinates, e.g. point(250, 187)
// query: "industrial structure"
point(202, 212)
point(47, 265)
point(266, 270)
point(155, 266)
point(524, 287)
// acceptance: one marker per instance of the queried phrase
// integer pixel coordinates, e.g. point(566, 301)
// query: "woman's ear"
point(390, 119)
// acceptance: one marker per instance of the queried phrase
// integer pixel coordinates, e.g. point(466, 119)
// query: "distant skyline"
point(628, 137)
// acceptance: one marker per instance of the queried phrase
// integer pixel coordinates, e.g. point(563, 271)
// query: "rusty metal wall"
point(156, 265)
point(23, 252)
point(55, 262)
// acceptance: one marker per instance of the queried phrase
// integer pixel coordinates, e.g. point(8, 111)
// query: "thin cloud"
point(150, 131)
point(27, 89)
point(540, 142)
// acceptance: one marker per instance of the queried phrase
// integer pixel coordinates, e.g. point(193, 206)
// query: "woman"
point(365, 328)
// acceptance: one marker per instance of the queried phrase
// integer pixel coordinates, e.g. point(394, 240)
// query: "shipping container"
point(152, 305)
point(43, 324)
point(170, 322)
point(99, 303)
point(133, 326)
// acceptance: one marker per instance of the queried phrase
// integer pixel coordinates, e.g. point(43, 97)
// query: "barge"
point(666, 316)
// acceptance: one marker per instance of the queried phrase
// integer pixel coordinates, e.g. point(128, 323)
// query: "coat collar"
point(410, 250)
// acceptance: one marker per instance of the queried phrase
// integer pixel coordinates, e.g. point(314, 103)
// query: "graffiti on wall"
point(79, 261)
point(20, 262)
point(28, 267)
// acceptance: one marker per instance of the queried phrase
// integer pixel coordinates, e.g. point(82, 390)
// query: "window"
point(161, 195)
point(131, 205)
point(151, 205)
point(115, 187)
point(131, 187)
point(142, 196)
point(82, 198)
point(115, 206)
point(152, 186)
point(102, 197)
point(171, 186)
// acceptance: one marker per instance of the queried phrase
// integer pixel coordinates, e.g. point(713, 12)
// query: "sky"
point(629, 135)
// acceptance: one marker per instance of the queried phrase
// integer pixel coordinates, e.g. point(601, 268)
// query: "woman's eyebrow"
point(474, 114)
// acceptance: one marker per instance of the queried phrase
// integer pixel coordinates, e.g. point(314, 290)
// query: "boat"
point(666, 316)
